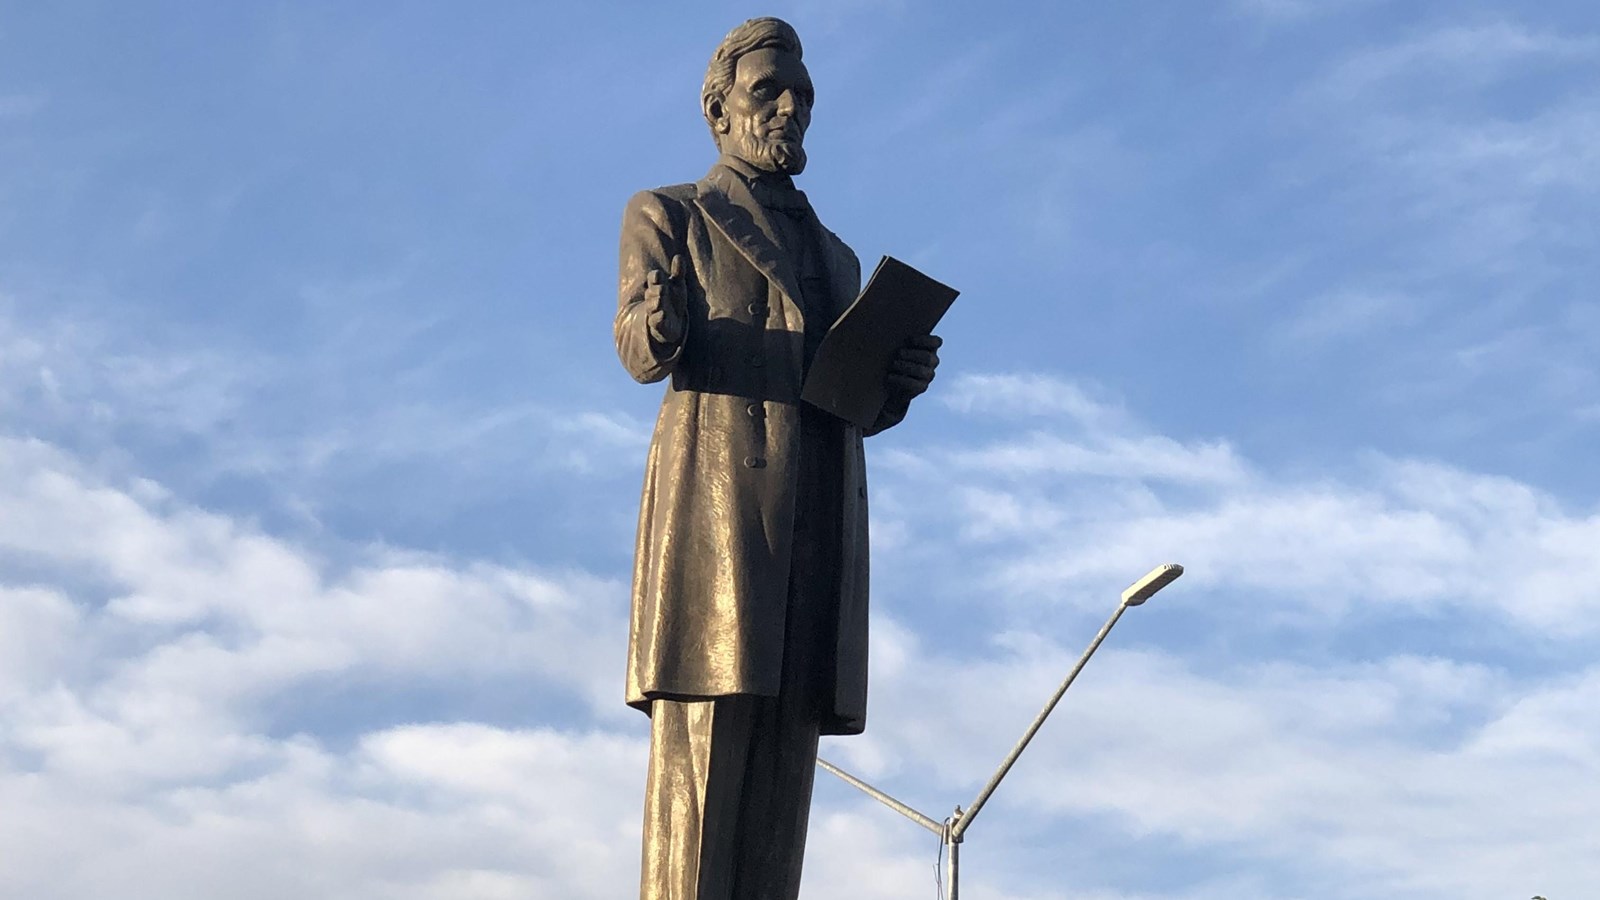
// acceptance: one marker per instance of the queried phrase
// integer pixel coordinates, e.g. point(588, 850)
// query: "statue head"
point(757, 96)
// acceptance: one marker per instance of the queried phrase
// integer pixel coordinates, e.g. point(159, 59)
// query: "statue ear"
point(716, 113)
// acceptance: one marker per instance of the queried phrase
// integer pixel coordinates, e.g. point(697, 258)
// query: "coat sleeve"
point(652, 233)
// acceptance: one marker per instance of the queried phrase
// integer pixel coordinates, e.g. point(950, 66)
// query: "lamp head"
point(1146, 587)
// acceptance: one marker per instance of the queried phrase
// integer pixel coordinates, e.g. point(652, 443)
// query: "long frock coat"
point(711, 566)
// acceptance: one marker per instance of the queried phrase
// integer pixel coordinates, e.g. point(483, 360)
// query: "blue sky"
point(318, 473)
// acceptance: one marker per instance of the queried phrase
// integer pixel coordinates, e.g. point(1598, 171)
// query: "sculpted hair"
point(756, 34)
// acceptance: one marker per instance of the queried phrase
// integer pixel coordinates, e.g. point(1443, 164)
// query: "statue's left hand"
point(911, 370)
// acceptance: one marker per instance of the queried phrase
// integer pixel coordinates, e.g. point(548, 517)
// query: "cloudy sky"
point(318, 473)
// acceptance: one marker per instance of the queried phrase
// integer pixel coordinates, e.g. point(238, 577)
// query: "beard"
point(769, 150)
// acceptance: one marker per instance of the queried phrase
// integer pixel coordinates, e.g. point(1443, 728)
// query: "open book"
point(847, 374)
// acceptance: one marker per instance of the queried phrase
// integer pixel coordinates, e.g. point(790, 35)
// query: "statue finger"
point(913, 370)
point(906, 385)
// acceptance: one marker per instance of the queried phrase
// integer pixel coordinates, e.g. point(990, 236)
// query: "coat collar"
point(728, 203)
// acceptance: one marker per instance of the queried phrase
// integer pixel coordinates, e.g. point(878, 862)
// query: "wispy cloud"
point(1468, 56)
point(1482, 172)
point(1462, 157)
point(1084, 435)
point(21, 105)
point(1074, 505)
point(1350, 314)
point(1408, 776)
point(219, 414)
point(81, 372)
point(1295, 10)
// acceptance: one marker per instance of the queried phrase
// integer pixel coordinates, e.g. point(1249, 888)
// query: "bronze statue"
point(749, 623)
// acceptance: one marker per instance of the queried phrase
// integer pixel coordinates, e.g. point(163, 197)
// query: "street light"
point(952, 831)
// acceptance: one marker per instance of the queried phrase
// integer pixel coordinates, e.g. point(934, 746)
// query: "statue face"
point(765, 115)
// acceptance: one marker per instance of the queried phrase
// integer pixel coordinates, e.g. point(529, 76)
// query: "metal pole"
point(904, 810)
point(952, 829)
point(952, 847)
point(965, 821)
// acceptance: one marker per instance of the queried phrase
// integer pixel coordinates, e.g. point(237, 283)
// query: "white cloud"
point(1033, 395)
point(413, 812)
point(1091, 436)
point(147, 643)
point(36, 628)
point(1073, 511)
point(1404, 776)
point(156, 654)
point(201, 616)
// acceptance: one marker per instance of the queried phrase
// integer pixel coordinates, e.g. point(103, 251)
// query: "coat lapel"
point(728, 205)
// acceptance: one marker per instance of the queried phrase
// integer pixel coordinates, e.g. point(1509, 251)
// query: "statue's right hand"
point(668, 301)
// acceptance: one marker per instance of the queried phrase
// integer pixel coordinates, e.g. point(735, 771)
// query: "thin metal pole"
point(904, 810)
point(963, 822)
point(952, 846)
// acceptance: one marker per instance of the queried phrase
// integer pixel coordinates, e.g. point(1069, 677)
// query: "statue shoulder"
point(667, 207)
point(682, 193)
point(669, 195)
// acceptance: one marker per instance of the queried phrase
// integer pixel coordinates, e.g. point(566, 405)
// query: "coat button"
point(757, 360)
point(754, 462)
point(754, 410)
point(757, 309)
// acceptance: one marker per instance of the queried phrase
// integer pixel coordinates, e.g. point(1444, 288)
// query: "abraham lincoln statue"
point(749, 620)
